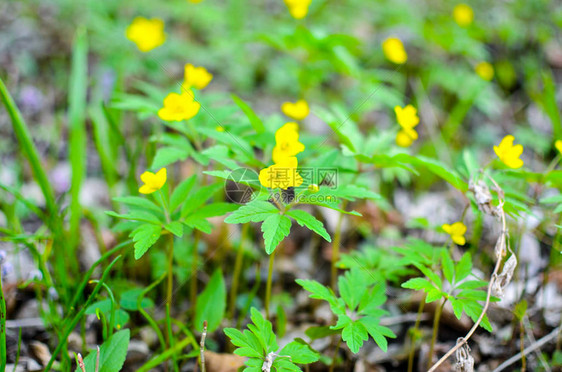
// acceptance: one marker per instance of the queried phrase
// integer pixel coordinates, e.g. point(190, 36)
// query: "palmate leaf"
point(354, 333)
point(300, 352)
point(275, 228)
point(377, 332)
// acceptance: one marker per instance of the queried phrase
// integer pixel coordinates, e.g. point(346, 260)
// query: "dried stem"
point(499, 250)
point(202, 346)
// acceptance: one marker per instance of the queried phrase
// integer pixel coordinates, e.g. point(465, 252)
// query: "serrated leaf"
point(245, 347)
point(320, 292)
point(300, 352)
point(144, 237)
point(275, 228)
point(464, 267)
point(211, 303)
point(448, 266)
point(255, 211)
point(198, 198)
point(418, 283)
point(377, 332)
point(175, 228)
point(354, 334)
point(138, 202)
point(432, 295)
point(168, 155)
point(306, 219)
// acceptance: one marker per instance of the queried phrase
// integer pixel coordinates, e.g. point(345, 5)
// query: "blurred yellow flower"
point(281, 175)
point(394, 51)
point(558, 145)
point(178, 107)
point(194, 1)
point(152, 182)
point(457, 231)
point(146, 33)
point(298, 110)
point(485, 70)
point(219, 128)
point(407, 119)
point(508, 153)
point(313, 188)
point(287, 142)
point(298, 8)
point(197, 77)
point(463, 15)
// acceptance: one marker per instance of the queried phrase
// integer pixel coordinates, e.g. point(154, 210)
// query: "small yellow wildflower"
point(219, 128)
point(287, 142)
point(508, 153)
point(394, 51)
point(407, 119)
point(558, 145)
point(152, 182)
point(463, 15)
point(178, 107)
point(485, 70)
point(281, 175)
point(457, 231)
point(194, 1)
point(146, 33)
point(298, 110)
point(197, 77)
point(298, 8)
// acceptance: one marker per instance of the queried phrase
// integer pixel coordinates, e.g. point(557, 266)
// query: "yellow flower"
point(287, 142)
point(146, 33)
point(194, 1)
point(558, 145)
point(407, 119)
point(219, 128)
point(281, 175)
point(394, 51)
point(508, 153)
point(485, 70)
point(152, 182)
point(457, 231)
point(197, 77)
point(463, 15)
point(298, 8)
point(178, 107)
point(298, 110)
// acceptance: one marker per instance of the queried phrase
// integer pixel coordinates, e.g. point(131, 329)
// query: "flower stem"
point(436, 319)
point(194, 267)
point(414, 336)
point(268, 285)
point(237, 270)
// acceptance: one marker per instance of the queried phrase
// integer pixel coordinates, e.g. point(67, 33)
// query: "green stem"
point(333, 365)
point(70, 326)
point(164, 356)
point(2, 329)
point(237, 270)
point(170, 336)
point(268, 284)
point(336, 250)
point(194, 268)
point(414, 336)
point(435, 331)
point(151, 321)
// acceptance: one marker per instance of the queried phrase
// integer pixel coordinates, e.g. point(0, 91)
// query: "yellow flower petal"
point(152, 182)
point(508, 153)
point(298, 110)
point(456, 231)
point(178, 107)
point(298, 8)
point(281, 175)
point(407, 117)
point(485, 70)
point(558, 145)
point(147, 34)
point(394, 51)
point(197, 77)
point(287, 142)
point(459, 239)
point(403, 139)
point(463, 15)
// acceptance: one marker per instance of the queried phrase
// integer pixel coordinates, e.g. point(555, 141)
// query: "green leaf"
point(472, 284)
point(419, 283)
point(255, 211)
point(198, 198)
point(348, 284)
point(181, 191)
point(463, 267)
point(377, 332)
point(144, 237)
point(354, 334)
point(168, 155)
point(139, 203)
point(433, 295)
point(320, 292)
point(448, 266)
point(245, 346)
point(306, 219)
point(320, 332)
point(211, 303)
point(129, 300)
point(254, 119)
point(300, 352)
point(112, 353)
point(275, 228)
point(175, 228)
point(213, 210)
